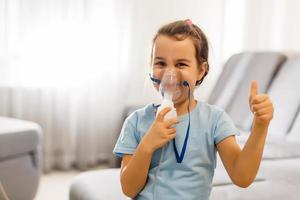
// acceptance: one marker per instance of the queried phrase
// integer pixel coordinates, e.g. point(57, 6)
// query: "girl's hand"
point(260, 105)
point(160, 132)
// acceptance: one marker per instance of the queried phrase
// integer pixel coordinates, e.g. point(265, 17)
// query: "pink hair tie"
point(189, 21)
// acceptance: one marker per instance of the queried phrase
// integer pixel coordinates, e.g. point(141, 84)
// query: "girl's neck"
point(182, 107)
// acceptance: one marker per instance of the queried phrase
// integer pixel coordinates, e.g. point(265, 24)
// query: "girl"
point(175, 158)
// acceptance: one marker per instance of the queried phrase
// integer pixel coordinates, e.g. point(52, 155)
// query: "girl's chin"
point(179, 100)
point(177, 95)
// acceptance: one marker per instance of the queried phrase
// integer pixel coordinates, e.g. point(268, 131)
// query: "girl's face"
point(169, 53)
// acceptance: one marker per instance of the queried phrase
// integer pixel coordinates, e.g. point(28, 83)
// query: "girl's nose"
point(171, 68)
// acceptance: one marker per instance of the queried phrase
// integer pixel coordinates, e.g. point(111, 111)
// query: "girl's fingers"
point(171, 136)
point(262, 105)
point(266, 117)
point(162, 113)
point(171, 131)
point(264, 111)
point(171, 122)
point(253, 89)
point(259, 98)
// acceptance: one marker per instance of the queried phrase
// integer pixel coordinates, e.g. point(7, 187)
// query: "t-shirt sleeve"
point(128, 140)
point(224, 127)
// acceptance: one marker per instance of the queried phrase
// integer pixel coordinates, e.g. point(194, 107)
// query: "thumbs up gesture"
point(260, 105)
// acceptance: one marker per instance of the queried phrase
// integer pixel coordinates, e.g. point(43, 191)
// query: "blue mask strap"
point(154, 80)
point(180, 158)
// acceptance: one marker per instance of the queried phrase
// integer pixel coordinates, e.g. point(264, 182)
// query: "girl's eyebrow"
point(178, 60)
point(160, 58)
point(183, 59)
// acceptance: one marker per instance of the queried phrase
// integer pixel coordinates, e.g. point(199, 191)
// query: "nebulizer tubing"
point(157, 171)
point(170, 79)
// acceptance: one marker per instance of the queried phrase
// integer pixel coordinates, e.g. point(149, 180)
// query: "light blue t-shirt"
point(191, 179)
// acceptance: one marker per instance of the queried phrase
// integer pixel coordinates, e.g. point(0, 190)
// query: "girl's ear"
point(202, 69)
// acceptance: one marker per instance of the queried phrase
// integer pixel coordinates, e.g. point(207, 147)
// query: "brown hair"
point(182, 29)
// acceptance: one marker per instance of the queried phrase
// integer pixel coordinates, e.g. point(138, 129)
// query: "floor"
point(55, 185)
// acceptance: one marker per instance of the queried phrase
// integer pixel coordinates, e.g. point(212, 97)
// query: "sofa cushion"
point(97, 185)
point(281, 181)
point(17, 137)
point(281, 150)
point(276, 148)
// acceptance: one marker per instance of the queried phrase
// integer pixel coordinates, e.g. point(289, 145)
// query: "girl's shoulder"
point(209, 112)
point(210, 108)
point(138, 113)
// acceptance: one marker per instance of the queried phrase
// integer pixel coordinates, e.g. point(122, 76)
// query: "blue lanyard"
point(180, 157)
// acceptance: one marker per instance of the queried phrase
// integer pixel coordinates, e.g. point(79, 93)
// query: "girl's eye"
point(160, 64)
point(181, 65)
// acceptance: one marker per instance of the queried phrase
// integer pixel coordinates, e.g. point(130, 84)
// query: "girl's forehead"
point(166, 46)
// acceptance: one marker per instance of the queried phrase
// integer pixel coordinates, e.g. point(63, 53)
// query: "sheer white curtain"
point(64, 65)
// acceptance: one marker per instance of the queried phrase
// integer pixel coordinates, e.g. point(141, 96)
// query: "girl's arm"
point(134, 170)
point(242, 165)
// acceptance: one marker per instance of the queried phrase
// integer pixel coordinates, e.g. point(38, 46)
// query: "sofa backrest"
point(230, 77)
point(231, 91)
point(285, 94)
point(294, 133)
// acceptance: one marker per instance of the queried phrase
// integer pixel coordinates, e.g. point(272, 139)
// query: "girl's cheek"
point(157, 73)
point(185, 76)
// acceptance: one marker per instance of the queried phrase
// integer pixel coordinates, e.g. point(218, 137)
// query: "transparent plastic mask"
point(170, 85)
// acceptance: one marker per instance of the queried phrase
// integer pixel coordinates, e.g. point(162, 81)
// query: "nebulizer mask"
point(169, 89)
